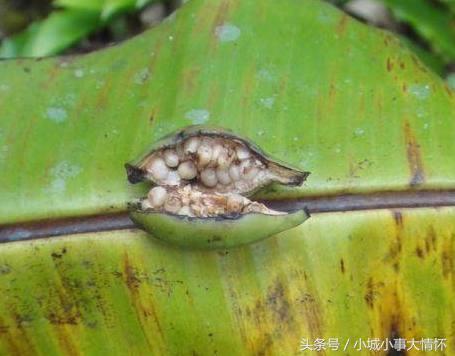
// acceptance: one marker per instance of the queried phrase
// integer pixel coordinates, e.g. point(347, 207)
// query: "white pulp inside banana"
point(203, 176)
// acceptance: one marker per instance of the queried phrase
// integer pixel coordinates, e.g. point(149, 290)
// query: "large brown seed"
point(225, 159)
point(173, 178)
point(171, 158)
point(223, 176)
point(172, 204)
point(242, 153)
point(157, 196)
point(248, 169)
point(191, 145)
point(234, 172)
point(157, 168)
point(217, 151)
point(204, 154)
point(180, 151)
point(187, 170)
point(208, 177)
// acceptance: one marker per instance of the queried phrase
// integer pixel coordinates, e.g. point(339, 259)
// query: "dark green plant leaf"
point(51, 35)
point(450, 4)
point(430, 59)
point(65, 27)
point(94, 5)
point(434, 24)
point(107, 8)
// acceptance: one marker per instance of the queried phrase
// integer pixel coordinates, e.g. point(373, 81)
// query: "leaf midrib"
point(38, 229)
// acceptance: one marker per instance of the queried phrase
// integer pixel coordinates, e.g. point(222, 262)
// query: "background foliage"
point(46, 27)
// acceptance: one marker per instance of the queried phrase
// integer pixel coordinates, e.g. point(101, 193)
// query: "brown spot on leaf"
point(58, 254)
point(63, 319)
point(332, 91)
point(369, 294)
point(221, 15)
point(372, 292)
point(414, 157)
point(389, 64)
point(447, 263)
point(395, 246)
point(342, 24)
point(419, 252)
point(65, 340)
point(398, 218)
point(131, 279)
point(190, 76)
point(430, 239)
point(3, 329)
point(144, 307)
point(5, 269)
point(342, 266)
point(388, 38)
point(64, 311)
point(103, 96)
point(265, 343)
point(278, 303)
point(9, 342)
point(312, 312)
point(394, 333)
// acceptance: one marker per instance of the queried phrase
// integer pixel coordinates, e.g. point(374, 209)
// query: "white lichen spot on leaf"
point(60, 173)
point(79, 73)
point(421, 112)
point(265, 74)
point(309, 157)
point(359, 132)
point(141, 76)
point(267, 102)
point(56, 114)
point(99, 84)
point(420, 91)
point(198, 116)
point(227, 32)
point(3, 152)
point(3, 147)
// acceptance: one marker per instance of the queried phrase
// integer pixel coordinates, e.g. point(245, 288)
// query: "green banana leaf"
point(309, 85)
point(351, 276)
